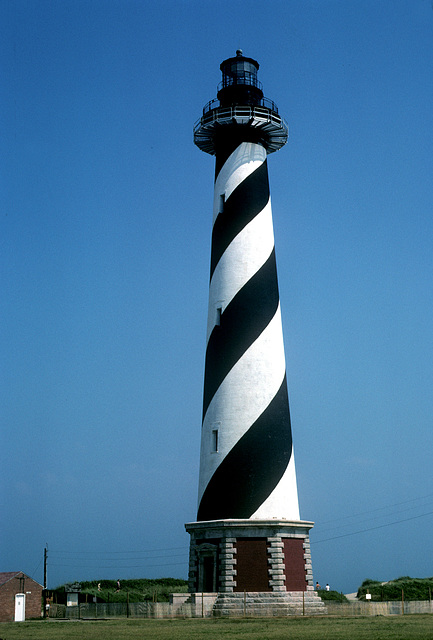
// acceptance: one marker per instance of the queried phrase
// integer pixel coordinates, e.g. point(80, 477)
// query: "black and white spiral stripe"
point(246, 462)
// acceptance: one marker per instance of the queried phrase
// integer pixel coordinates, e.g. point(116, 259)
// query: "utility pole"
point(45, 566)
point(45, 581)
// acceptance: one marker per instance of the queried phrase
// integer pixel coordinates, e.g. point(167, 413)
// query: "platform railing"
point(264, 102)
point(220, 114)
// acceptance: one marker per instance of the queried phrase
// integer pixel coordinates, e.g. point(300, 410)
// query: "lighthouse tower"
point(248, 537)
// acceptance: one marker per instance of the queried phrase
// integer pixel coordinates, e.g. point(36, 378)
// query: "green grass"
point(411, 627)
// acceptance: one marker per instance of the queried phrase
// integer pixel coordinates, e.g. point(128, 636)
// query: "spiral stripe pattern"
point(246, 463)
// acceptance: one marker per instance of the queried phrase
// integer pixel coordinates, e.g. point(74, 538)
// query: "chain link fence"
point(388, 608)
point(92, 611)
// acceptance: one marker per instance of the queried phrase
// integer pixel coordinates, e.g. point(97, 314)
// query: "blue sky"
point(105, 243)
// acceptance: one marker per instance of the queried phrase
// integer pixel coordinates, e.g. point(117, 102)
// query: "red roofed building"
point(20, 597)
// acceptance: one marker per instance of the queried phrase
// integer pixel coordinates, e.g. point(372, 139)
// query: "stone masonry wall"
point(227, 568)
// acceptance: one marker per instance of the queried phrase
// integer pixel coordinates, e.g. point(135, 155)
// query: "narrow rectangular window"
point(214, 440)
point(218, 316)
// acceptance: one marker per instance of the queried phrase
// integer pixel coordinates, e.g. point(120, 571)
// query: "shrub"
point(332, 595)
point(413, 589)
point(139, 589)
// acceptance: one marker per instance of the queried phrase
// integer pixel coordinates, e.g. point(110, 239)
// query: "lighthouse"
point(248, 540)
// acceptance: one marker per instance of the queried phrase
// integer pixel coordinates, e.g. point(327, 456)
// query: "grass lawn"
point(408, 627)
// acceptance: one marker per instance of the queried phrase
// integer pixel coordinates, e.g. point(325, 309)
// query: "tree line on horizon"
point(159, 589)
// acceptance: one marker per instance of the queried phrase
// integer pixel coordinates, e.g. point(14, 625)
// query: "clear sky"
point(106, 208)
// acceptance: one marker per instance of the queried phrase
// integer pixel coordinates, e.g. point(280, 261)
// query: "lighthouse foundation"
point(237, 556)
point(264, 604)
point(254, 567)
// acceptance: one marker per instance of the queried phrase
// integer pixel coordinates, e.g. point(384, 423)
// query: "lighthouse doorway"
point(207, 568)
point(208, 574)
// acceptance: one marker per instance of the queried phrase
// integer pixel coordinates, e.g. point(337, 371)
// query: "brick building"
point(29, 603)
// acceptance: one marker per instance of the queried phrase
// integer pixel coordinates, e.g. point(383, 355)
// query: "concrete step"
point(269, 604)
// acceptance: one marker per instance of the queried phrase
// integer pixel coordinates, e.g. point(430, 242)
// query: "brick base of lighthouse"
point(260, 565)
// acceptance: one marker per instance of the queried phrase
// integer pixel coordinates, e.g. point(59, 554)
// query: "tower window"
point(214, 440)
point(218, 316)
